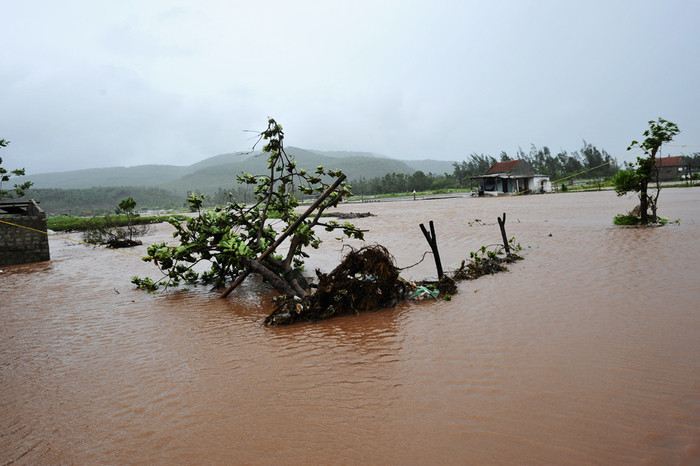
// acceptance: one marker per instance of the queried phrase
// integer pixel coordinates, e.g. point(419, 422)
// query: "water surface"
point(586, 352)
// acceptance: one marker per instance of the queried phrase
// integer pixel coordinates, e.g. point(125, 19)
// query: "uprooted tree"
point(646, 169)
point(240, 239)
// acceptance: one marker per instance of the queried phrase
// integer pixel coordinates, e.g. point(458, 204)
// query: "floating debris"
point(422, 292)
point(345, 215)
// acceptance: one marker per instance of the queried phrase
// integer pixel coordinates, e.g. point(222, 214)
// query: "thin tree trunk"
point(643, 202)
point(644, 205)
point(655, 200)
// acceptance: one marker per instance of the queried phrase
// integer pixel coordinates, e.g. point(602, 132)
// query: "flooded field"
point(586, 352)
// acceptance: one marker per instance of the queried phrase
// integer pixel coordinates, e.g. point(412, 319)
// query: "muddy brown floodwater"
point(586, 352)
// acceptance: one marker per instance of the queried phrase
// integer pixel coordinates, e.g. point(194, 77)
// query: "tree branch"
point(277, 283)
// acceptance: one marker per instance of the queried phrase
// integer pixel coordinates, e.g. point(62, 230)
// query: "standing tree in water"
point(637, 179)
point(240, 239)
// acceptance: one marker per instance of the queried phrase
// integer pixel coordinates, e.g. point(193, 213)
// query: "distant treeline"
point(98, 201)
point(589, 162)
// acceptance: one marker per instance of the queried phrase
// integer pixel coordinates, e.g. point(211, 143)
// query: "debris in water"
point(367, 279)
point(346, 215)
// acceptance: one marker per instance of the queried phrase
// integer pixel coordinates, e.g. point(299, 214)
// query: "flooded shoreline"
point(585, 352)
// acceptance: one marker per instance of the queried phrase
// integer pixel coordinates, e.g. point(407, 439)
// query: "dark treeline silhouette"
point(693, 160)
point(588, 162)
point(400, 183)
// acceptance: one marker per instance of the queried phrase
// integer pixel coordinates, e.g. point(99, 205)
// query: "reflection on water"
point(584, 353)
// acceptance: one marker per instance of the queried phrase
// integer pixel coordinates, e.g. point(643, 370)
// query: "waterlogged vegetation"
point(645, 170)
point(107, 232)
point(633, 220)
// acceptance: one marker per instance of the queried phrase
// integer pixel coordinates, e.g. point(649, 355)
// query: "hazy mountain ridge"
point(220, 171)
point(339, 154)
point(139, 175)
point(221, 159)
point(223, 175)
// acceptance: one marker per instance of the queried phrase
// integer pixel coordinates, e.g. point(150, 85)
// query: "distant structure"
point(23, 236)
point(671, 168)
point(511, 177)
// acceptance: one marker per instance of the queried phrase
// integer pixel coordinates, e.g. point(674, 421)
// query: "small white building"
point(512, 177)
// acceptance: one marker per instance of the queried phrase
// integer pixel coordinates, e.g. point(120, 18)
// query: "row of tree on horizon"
point(587, 163)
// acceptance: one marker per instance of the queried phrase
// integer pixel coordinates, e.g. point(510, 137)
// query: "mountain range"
point(221, 170)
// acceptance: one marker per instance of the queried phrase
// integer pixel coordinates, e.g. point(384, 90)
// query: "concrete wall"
point(22, 245)
point(541, 183)
point(669, 173)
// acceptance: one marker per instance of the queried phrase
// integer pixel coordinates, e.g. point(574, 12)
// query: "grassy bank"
point(82, 223)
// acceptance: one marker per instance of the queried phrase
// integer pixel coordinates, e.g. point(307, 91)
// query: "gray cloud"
point(86, 84)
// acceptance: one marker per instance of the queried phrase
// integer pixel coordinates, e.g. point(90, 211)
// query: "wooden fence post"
point(502, 224)
point(432, 241)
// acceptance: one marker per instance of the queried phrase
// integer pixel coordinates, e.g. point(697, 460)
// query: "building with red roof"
point(512, 177)
point(669, 168)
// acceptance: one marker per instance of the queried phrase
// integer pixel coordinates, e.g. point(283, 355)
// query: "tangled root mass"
point(366, 280)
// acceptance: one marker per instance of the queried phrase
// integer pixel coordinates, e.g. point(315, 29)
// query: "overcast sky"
point(95, 83)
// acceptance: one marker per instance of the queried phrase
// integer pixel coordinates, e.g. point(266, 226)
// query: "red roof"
point(503, 167)
point(669, 161)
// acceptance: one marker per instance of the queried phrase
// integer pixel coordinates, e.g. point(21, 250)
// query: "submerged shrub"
point(626, 219)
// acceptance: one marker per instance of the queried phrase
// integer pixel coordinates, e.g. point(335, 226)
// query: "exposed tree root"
point(367, 279)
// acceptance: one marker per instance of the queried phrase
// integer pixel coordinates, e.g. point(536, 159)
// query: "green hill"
point(210, 178)
point(222, 159)
point(140, 175)
point(339, 154)
point(220, 171)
